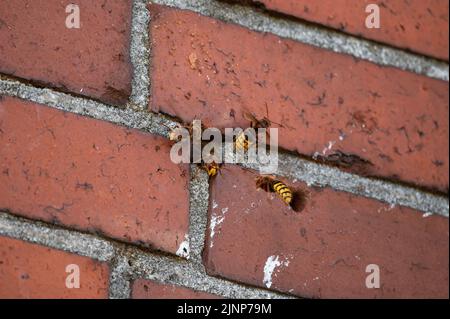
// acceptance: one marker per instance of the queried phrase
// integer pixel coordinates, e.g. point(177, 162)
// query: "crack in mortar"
point(317, 36)
point(127, 262)
point(139, 54)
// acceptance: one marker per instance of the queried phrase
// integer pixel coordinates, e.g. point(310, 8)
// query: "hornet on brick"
point(211, 168)
point(296, 199)
point(242, 142)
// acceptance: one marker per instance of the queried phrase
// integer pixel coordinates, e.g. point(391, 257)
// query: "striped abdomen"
point(242, 142)
point(283, 191)
point(212, 171)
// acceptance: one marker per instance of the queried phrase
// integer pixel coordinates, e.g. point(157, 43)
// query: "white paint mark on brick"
point(386, 209)
point(328, 148)
point(216, 221)
point(270, 268)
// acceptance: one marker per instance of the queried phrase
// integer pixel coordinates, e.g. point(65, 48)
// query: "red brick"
point(148, 289)
point(33, 271)
point(328, 245)
point(396, 120)
point(93, 60)
point(91, 175)
point(417, 25)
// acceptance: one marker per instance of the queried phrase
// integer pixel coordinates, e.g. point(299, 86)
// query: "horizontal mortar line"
point(290, 166)
point(51, 236)
point(315, 174)
point(169, 270)
point(317, 36)
point(193, 276)
point(157, 124)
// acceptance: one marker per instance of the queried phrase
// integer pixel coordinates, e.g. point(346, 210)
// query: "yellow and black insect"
point(283, 191)
point(211, 168)
point(296, 199)
point(242, 142)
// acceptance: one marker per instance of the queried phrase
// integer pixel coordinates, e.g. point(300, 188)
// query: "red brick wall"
point(103, 170)
point(393, 120)
point(418, 25)
point(92, 61)
point(328, 245)
point(101, 177)
point(33, 271)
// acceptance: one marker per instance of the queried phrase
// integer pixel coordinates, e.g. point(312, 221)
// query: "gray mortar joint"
point(129, 263)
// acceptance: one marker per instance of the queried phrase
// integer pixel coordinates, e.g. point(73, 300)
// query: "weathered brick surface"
point(417, 25)
point(148, 289)
point(93, 60)
point(371, 120)
point(91, 175)
point(33, 271)
point(323, 251)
